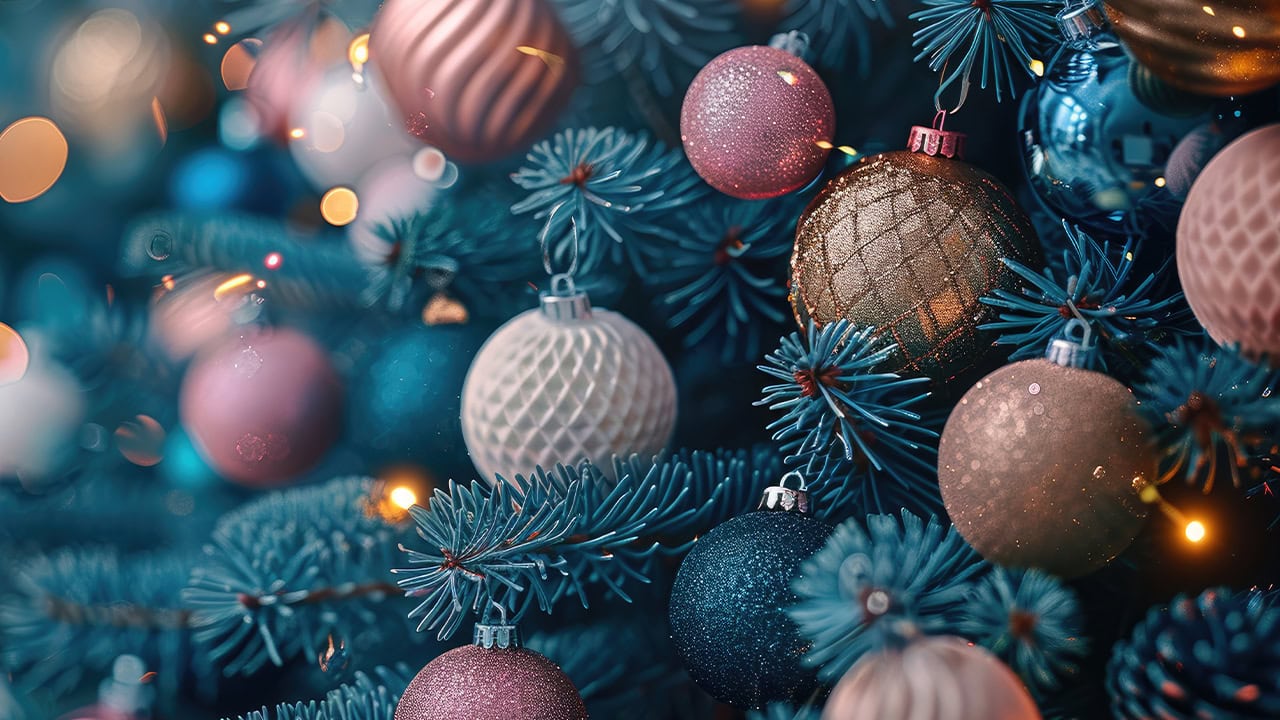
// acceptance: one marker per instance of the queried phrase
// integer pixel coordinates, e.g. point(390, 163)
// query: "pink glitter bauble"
point(1228, 246)
point(757, 122)
point(479, 683)
point(262, 408)
point(479, 79)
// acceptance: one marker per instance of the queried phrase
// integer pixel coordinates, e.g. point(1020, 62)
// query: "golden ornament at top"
point(908, 243)
point(1211, 47)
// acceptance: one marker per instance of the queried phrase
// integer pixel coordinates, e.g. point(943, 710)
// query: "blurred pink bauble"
point(479, 683)
point(932, 678)
point(191, 314)
point(41, 415)
point(1189, 157)
point(479, 79)
point(757, 122)
point(391, 191)
point(292, 61)
point(1229, 245)
point(262, 408)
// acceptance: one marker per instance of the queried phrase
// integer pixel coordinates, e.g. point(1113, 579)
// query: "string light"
point(297, 133)
point(1237, 31)
point(1207, 10)
point(231, 284)
point(1195, 531)
point(222, 27)
point(404, 497)
point(358, 51)
point(1161, 182)
point(273, 261)
point(210, 39)
point(1037, 67)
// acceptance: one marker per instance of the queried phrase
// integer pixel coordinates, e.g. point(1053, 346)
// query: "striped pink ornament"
point(479, 79)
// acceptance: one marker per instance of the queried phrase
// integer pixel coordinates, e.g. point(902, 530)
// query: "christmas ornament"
point(123, 696)
point(932, 678)
point(347, 128)
point(478, 79)
point(728, 604)
point(1040, 464)
point(1228, 257)
point(566, 383)
point(191, 313)
point(406, 398)
point(494, 678)
point(908, 242)
point(293, 59)
point(40, 417)
point(757, 121)
point(1190, 156)
point(390, 191)
point(1233, 48)
point(262, 407)
point(1213, 657)
point(1163, 97)
point(1091, 150)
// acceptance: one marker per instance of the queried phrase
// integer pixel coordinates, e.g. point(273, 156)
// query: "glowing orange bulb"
point(210, 39)
point(297, 133)
point(358, 51)
point(1237, 31)
point(404, 497)
point(1195, 531)
point(222, 27)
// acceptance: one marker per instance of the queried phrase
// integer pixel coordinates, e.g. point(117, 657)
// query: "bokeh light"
point(404, 496)
point(209, 179)
point(14, 356)
point(1195, 531)
point(358, 51)
point(339, 206)
point(238, 62)
point(33, 154)
point(141, 441)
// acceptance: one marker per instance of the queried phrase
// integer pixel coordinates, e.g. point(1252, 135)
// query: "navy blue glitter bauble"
point(728, 606)
point(407, 399)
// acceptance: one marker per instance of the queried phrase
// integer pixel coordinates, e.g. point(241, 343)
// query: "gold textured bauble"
point(1210, 47)
point(1037, 465)
point(908, 243)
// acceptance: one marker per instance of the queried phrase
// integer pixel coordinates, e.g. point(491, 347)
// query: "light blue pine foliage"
point(364, 698)
point(879, 581)
point(1031, 621)
point(837, 28)
point(285, 572)
point(593, 189)
point(850, 427)
point(1126, 315)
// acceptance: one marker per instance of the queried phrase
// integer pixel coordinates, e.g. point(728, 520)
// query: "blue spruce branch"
point(364, 698)
point(1125, 315)
point(837, 28)
point(287, 571)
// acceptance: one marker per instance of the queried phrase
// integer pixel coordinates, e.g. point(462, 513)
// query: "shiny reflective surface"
point(1090, 149)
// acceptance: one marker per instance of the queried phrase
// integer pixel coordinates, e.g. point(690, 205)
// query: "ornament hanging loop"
point(785, 499)
point(936, 140)
point(1075, 348)
point(945, 81)
point(544, 239)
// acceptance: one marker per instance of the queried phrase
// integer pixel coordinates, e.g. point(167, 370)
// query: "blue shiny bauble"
point(1091, 151)
point(406, 402)
point(728, 609)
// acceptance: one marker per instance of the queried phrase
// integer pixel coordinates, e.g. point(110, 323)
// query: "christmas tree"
point(639, 359)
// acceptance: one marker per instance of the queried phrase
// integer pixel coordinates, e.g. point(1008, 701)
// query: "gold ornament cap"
point(935, 140)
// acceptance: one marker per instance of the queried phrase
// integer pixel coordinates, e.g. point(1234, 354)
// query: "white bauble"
point(40, 420)
point(346, 129)
point(562, 384)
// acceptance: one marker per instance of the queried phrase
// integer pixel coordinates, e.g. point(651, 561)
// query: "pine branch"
point(286, 572)
point(534, 541)
point(362, 699)
point(315, 273)
point(837, 28)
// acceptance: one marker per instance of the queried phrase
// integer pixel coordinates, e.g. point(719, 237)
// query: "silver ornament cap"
point(1070, 351)
point(1081, 21)
point(565, 302)
point(500, 635)
point(780, 498)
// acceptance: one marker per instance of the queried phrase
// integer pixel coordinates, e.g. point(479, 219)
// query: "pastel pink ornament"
point(757, 122)
point(479, 79)
point(485, 681)
point(293, 59)
point(262, 408)
point(1229, 245)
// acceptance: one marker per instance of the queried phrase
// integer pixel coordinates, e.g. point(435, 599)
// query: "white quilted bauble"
point(543, 391)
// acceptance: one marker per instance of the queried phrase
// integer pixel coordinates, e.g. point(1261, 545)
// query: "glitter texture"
point(453, 68)
point(1228, 255)
point(1045, 480)
point(757, 122)
point(728, 608)
point(475, 683)
point(933, 678)
point(908, 243)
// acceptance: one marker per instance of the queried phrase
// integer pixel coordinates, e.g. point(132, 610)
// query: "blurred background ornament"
point(1190, 156)
point(494, 678)
point(1068, 506)
point(479, 80)
point(347, 128)
point(125, 695)
point(728, 603)
point(1091, 150)
point(565, 383)
point(293, 58)
point(1213, 656)
point(757, 122)
point(262, 407)
point(189, 314)
point(1232, 48)
point(1164, 98)
point(1228, 257)
point(391, 191)
point(908, 243)
point(40, 421)
point(931, 678)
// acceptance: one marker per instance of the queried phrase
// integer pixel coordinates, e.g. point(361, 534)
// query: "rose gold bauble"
point(1037, 466)
point(480, 683)
point(1229, 245)
point(908, 243)
point(479, 79)
point(262, 408)
point(932, 678)
point(1219, 48)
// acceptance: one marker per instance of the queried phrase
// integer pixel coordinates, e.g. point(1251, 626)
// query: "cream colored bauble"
point(562, 384)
